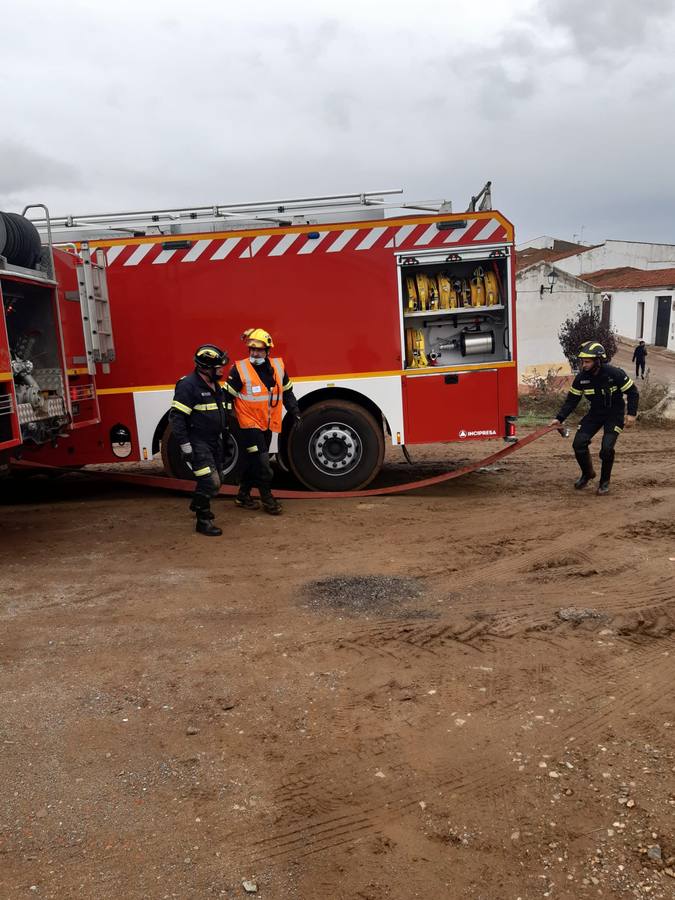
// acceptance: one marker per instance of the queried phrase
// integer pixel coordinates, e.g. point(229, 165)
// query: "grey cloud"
point(500, 92)
point(23, 168)
point(505, 76)
point(306, 41)
point(520, 42)
point(221, 103)
point(603, 27)
point(336, 109)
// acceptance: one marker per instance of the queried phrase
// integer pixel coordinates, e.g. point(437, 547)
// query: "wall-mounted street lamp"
point(551, 281)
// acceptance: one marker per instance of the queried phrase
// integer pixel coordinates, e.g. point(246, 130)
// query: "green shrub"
point(585, 325)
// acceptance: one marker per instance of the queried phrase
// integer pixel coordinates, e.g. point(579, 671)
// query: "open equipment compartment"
point(455, 308)
point(34, 337)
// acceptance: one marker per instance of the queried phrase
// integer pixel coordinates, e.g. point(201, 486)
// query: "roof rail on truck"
point(366, 205)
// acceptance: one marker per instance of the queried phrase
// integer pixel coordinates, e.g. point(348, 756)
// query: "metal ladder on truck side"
point(95, 307)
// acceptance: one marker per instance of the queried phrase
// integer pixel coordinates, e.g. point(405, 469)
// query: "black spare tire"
point(20, 242)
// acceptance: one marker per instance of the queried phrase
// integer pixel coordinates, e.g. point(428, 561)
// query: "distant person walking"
point(640, 358)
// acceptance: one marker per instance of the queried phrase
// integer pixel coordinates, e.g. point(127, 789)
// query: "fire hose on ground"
point(187, 486)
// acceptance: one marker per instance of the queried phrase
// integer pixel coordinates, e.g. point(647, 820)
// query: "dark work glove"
point(186, 453)
point(297, 419)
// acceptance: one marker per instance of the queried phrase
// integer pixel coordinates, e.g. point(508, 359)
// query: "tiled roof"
point(533, 255)
point(626, 278)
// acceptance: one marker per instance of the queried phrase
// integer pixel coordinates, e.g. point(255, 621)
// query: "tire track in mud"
point(541, 558)
point(635, 655)
point(396, 639)
point(636, 652)
point(518, 619)
point(307, 796)
point(339, 821)
point(630, 697)
point(349, 820)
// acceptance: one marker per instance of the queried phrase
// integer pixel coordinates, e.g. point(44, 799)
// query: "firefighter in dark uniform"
point(263, 390)
point(199, 420)
point(605, 387)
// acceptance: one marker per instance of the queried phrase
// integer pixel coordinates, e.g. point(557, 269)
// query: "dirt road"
point(480, 706)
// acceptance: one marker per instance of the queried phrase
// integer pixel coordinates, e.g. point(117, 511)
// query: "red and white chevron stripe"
point(372, 237)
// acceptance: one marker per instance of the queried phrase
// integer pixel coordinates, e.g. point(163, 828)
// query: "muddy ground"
point(481, 705)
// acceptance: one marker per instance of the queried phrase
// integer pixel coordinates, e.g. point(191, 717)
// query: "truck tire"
point(338, 447)
point(20, 240)
point(174, 464)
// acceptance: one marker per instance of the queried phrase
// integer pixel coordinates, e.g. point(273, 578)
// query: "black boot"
point(270, 503)
point(587, 470)
point(605, 474)
point(244, 501)
point(201, 505)
point(206, 526)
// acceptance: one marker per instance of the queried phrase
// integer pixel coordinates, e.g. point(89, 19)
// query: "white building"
point(540, 313)
point(632, 283)
point(638, 303)
point(581, 258)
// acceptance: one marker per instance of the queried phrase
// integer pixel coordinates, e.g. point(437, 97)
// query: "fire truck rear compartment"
point(34, 338)
point(455, 312)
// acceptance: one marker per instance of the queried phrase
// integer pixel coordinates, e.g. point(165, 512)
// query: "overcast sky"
point(567, 105)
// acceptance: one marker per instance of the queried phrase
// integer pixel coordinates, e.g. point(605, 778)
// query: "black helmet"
point(208, 356)
point(591, 350)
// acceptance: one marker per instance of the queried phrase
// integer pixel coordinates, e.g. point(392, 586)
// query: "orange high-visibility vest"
point(257, 406)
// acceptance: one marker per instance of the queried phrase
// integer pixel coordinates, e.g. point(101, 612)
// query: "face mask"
point(257, 360)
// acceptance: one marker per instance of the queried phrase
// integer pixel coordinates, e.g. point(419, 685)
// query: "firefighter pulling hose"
point(604, 387)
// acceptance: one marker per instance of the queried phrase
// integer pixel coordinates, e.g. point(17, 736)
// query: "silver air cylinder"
point(475, 343)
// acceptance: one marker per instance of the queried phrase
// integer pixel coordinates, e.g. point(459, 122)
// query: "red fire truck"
point(54, 328)
point(396, 323)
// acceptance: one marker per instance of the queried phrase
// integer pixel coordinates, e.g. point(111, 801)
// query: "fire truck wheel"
point(339, 447)
point(175, 466)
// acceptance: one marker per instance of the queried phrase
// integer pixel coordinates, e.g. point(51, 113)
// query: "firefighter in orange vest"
point(263, 391)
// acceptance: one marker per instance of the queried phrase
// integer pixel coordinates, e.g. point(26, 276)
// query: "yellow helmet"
point(591, 350)
point(258, 337)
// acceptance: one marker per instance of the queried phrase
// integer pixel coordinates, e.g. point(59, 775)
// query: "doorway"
point(663, 305)
point(640, 330)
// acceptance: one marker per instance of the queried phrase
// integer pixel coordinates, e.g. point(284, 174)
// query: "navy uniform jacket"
point(605, 391)
point(199, 411)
